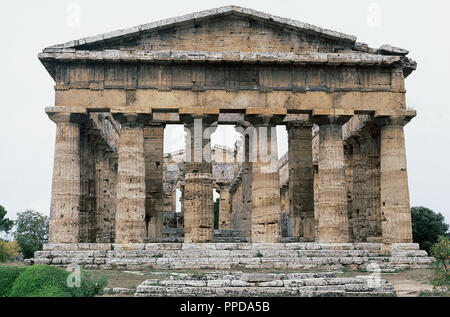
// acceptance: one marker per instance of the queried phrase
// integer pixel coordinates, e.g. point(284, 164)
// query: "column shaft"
point(266, 210)
point(198, 188)
point(332, 189)
point(224, 208)
point(130, 225)
point(395, 209)
point(372, 186)
point(65, 199)
point(154, 169)
point(301, 181)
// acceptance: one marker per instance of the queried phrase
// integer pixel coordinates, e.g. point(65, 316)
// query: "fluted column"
point(242, 196)
point(224, 207)
point(130, 214)
point(266, 209)
point(198, 188)
point(395, 209)
point(101, 166)
point(111, 198)
point(154, 164)
point(301, 182)
point(332, 189)
point(349, 173)
point(65, 198)
point(370, 137)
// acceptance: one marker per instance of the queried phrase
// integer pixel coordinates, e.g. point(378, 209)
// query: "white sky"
point(27, 135)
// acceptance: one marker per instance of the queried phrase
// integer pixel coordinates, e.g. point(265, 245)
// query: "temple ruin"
point(343, 181)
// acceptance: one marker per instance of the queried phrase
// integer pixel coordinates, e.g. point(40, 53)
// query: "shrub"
point(441, 254)
point(49, 281)
point(8, 274)
point(41, 280)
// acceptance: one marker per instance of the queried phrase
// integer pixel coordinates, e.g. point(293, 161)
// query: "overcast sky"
point(27, 136)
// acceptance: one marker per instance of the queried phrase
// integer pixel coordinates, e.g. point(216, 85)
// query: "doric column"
point(130, 214)
point(348, 154)
point(395, 209)
point(198, 188)
point(224, 207)
point(371, 156)
point(102, 218)
point(266, 209)
point(332, 189)
point(111, 201)
point(301, 180)
point(65, 199)
point(154, 169)
point(242, 197)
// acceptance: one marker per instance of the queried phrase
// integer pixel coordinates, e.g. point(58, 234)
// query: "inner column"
point(154, 193)
point(198, 187)
point(301, 182)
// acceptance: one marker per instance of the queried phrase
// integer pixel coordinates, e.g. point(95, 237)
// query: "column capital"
point(354, 139)
point(396, 120)
point(155, 124)
point(298, 120)
point(264, 120)
point(67, 117)
point(189, 119)
point(334, 119)
point(132, 119)
point(299, 124)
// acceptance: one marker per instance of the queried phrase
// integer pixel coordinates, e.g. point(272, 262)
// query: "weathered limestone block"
point(130, 216)
point(301, 182)
point(266, 210)
point(332, 203)
point(154, 200)
point(65, 199)
point(395, 209)
point(198, 188)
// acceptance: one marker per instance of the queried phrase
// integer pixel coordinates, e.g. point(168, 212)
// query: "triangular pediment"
point(228, 28)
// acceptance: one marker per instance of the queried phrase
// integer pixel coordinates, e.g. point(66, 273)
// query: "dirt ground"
point(407, 283)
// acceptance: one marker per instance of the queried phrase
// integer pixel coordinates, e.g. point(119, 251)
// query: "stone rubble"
point(230, 284)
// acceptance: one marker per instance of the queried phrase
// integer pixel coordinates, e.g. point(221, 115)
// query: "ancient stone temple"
point(343, 181)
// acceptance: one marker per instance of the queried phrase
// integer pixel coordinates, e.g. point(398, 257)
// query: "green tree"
point(427, 226)
point(216, 213)
point(5, 223)
point(31, 232)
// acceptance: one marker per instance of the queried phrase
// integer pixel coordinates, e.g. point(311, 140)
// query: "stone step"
point(222, 246)
point(232, 256)
point(260, 284)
